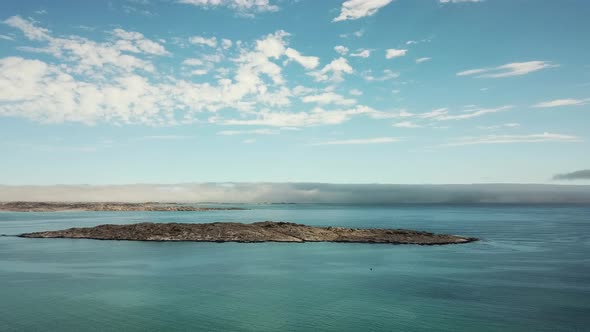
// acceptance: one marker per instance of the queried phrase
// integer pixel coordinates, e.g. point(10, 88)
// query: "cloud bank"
point(305, 193)
point(577, 175)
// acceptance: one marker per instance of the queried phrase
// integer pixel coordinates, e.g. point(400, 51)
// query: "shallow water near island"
point(529, 272)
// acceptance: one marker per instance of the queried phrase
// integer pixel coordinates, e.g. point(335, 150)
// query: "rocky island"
point(102, 206)
point(266, 231)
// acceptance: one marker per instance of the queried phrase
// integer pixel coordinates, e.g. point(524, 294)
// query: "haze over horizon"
point(304, 193)
point(361, 91)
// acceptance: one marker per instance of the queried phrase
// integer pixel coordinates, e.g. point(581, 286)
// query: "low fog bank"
point(301, 193)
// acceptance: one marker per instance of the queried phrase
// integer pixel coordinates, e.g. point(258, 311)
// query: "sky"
point(357, 91)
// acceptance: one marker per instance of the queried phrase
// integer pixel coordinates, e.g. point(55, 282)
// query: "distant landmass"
point(266, 231)
point(109, 206)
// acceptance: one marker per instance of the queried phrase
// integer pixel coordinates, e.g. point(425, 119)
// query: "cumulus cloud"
point(577, 175)
point(309, 62)
point(394, 53)
point(303, 193)
point(333, 71)
point(342, 50)
point(562, 102)
point(199, 40)
point(508, 70)
point(355, 9)
point(116, 81)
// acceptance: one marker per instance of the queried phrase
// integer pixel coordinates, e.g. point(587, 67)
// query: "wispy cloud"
point(508, 70)
point(249, 132)
point(562, 102)
point(406, 124)
point(387, 75)
point(362, 53)
point(242, 7)
point(500, 126)
point(328, 98)
point(442, 114)
point(377, 140)
point(355, 9)
point(164, 137)
point(506, 139)
point(420, 60)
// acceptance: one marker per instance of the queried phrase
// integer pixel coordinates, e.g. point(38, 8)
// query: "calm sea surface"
point(530, 272)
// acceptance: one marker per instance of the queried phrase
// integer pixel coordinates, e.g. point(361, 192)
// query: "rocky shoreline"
point(102, 206)
point(266, 231)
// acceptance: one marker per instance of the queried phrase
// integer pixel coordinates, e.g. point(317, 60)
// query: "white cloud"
point(363, 53)
point(562, 102)
point(6, 37)
point(211, 42)
point(226, 43)
point(309, 62)
point(508, 70)
point(249, 132)
point(135, 42)
point(89, 56)
point(193, 62)
point(376, 140)
point(199, 72)
point(356, 92)
point(355, 9)
point(394, 53)
point(406, 124)
point(328, 98)
point(342, 50)
point(315, 117)
point(337, 68)
point(244, 7)
point(117, 82)
point(388, 74)
point(510, 125)
point(28, 28)
point(442, 114)
point(420, 60)
point(505, 139)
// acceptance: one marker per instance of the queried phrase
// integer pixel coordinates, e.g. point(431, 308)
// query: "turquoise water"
point(531, 272)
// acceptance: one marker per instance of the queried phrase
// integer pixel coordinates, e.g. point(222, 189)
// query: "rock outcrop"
point(266, 231)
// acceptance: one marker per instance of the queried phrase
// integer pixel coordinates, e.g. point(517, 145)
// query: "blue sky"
point(359, 91)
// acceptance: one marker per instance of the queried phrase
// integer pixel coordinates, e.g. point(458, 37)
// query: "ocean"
point(529, 272)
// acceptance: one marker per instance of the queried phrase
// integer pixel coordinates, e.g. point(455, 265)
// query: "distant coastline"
point(102, 206)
